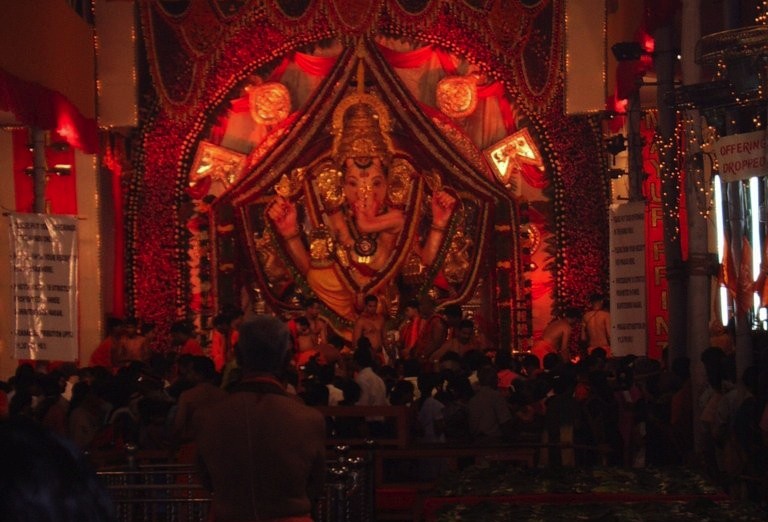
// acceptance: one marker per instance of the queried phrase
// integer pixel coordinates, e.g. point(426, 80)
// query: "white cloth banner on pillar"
point(44, 265)
point(628, 290)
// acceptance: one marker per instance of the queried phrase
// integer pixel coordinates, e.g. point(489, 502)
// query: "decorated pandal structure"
point(400, 152)
point(335, 149)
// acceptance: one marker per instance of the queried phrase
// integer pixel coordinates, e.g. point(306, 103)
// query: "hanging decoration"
point(214, 169)
point(508, 156)
point(457, 96)
point(270, 103)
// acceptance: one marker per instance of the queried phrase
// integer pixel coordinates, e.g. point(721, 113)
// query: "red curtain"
point(36, 106)
point(114, 158)
point(533, 176)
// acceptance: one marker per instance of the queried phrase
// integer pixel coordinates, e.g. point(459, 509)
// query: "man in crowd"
point(183, 340)
point(370, 324)
point(465, 340)
point(410, 329)
point(262, 452)
point(596, 330)
point(432, 335)
point(557, 335)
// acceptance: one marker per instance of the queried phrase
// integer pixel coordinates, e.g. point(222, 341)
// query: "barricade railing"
point(170, 492)
point(350, 488)
point(157, 493)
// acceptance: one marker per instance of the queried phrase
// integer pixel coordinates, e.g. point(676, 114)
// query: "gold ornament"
point(289, 186)
point(432, 178)
point(414, 272)
point(531, 237)
point(276, 272)
point(400, 177)
point(329, 185)
point(457, 96)
point(220, 164)
point(508, 156)
point(456, 264)
point(270, 103)
point(321, 246)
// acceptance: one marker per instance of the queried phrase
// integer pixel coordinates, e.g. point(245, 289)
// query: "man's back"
point(191, 402)
point(597, 327)
point(487, 412)
point(264, 455)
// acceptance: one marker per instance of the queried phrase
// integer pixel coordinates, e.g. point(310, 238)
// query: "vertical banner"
point(628, 299)
point(44, 265)
point(657, 286)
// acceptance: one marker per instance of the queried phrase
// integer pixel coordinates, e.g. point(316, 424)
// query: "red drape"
point(746, 289)
point(727, 276)
point(37, 106)
point(114, 157)
point(314, 65)
point(533, 176)
point(419, 57)
point(406, 60)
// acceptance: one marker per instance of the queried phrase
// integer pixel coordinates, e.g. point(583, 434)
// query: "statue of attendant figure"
point(364, 210)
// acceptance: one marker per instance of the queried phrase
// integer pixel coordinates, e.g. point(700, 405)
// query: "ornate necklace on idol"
point(365, 245)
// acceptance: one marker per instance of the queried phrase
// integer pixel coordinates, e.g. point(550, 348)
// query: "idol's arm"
point(442, 209)
point(297, 251)
point(283, 214)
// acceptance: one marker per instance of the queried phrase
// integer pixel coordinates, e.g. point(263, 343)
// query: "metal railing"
point(170, 492)
point(157, 493)
point(350, 489)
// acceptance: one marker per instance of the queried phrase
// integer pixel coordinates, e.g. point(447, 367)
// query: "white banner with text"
point(628, 295)
point(44, 264)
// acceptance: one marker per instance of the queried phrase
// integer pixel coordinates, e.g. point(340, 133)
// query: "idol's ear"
point(329, 181)
point(400, 181)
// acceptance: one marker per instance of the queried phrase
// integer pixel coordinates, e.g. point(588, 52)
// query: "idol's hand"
point(443, 204)
point(283, 214)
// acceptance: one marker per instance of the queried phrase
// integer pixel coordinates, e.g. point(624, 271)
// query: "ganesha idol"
point(356, 220)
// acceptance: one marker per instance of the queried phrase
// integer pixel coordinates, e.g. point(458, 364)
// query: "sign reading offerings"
point(44, 264)
point(742, 156)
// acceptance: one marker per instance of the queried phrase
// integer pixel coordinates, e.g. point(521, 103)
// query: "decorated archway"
point(247, 98)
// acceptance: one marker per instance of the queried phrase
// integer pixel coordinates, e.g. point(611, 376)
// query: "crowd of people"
point(588, 408)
